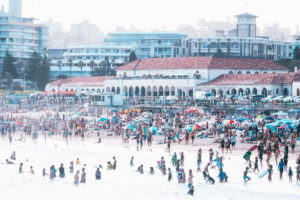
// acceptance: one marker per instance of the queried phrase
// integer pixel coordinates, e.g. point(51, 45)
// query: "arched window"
point(239, 72)
point(231, 72)
point(248, 72)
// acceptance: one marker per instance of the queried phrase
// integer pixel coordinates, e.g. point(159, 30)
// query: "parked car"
point(267, 99)
point(288, 99)
point(277, 99)
point(257, 98)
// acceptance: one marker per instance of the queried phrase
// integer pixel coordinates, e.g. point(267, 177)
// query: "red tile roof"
point(202, 62)
point(99, 80)
point(246, 79)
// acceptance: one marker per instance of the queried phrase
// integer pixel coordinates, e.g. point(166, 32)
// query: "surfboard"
point(263, 174)
point(249, 152)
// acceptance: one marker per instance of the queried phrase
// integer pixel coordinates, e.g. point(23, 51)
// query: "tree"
point(59, 64)
point(70, 63)
point(104, 69)
point(219, 52)
point(297, 53)
point(9, 65)
point(38, 70)
point(92, 64)
point(44, 73)
point(80, 65)
point(61, 76)
point(132, 56)
point(33, 67)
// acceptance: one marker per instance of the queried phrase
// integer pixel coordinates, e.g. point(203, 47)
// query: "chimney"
point(296, 69)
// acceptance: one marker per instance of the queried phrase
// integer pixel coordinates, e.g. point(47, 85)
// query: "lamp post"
point(24, 83)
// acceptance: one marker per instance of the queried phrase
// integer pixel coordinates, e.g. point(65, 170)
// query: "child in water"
point(191, 191)
point(76, 178)
point(109, 165)
point(152, 171)
point(170, 177)
point(131, 161)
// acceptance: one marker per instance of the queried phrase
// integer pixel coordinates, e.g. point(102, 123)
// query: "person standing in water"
point(191, 191)
point(190, 179)
point(114, 163)
point(61, 171)
point(98, 174)
point(83, 176)
point(246, 177)
point(256, 165)
point(21, 168)
point(31, 170)
point(71, 168)
point(131, 161)
point(170, 177)
point(76, 178)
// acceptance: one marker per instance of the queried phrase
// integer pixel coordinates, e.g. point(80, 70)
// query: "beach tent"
point(281, 114)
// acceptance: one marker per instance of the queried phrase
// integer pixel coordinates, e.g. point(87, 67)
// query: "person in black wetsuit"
point(61, 171)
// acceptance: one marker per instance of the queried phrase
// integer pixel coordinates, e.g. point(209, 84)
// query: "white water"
point(125, 183)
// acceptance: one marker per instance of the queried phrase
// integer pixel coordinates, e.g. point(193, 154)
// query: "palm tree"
point(70, 63)
point(80, 65)
point(59, 64)
point(92, 64)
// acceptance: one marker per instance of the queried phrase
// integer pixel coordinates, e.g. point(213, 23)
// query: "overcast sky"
point(158, 14)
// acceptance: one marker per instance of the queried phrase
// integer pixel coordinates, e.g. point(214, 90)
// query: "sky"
point(159, 14)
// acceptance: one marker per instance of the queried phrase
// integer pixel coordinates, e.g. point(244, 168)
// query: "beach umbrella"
point(195, 127)
point(260, 116)
point(242, 119)
point(102, 119)
point(231, 121)
point(269, 118)
point(154, 129)
point(191, 110)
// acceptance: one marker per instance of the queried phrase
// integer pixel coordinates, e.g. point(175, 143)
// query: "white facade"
point(109, 54)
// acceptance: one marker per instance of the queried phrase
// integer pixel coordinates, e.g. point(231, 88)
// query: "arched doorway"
point(285, 92)
point(233, 91)
point(298, 92)
point(214, 92)
point(191, 93)
point(167, 91)
point(125, 91)
point(241, 92)
point(130, 91)
point(149, 91)
point(143, 91)
point(179, 92)
point(161, 91)
point(137, 91)
point(254, 91)
point(172, 91)
point(118, 90)
point(247, 91)
point(154, 91)
point(220, 93)
point(264, 92)
point(113, 89)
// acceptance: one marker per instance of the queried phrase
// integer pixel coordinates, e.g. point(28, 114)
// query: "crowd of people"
point(170, 127)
